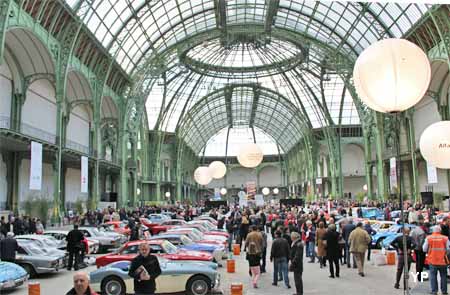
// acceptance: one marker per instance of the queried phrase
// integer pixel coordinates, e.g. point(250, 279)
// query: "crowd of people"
point(296, 232)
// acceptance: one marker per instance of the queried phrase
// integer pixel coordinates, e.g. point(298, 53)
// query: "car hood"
point(199, 247)
point(189, 255)
point(10, 271)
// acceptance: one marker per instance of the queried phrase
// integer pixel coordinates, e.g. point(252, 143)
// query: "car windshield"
point(169, 247)
point(186, 240)
point(107, 227)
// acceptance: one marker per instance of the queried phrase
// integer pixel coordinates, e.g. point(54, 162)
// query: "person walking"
point(368, 228)
point(254, 237)
point(254, 258)
point(359, 240)
point(398, 245)
point(144, 269)
point(321, 249)
point(279, 255)
point(436, 246)
point(419, 235)
point(264, 248)
point(296, 265)
point(331, 241)
point(310, 236)
point(81, 285)
point(346, 231)
point(243, 230)
point(8, 248)
point(74, 246)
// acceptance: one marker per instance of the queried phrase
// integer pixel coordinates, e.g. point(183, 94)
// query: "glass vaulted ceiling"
point(135, 30)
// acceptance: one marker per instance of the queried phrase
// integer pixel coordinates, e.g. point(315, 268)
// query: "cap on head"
point(436, 229)
point(10, 234)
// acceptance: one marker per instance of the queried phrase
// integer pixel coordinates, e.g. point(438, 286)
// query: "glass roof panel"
point(238, 136)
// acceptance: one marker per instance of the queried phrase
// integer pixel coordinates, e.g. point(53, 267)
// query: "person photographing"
point(144, 269)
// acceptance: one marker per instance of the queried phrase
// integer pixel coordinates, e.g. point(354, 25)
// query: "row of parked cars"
point(188, 251)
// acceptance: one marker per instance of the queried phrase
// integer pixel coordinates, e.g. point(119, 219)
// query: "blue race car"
point(11, 275)
point(390, 235)
point(185, 243)
point(184, 277)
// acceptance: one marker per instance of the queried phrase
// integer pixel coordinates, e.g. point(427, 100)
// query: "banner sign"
point(36, 166)
point(242, 201)
point(216, 193)
point(318, 180)
point(84, 174)
point(393, 174)
point(432, 174)
point(251, 189)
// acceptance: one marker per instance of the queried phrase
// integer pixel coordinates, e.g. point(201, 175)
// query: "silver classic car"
point(93, 244)
point(35, 260)
point(185, 277)
point(106, 240)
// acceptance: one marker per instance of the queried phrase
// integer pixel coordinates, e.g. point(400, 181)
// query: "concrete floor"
point(378, 280)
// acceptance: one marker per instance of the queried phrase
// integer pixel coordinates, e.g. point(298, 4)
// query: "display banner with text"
point(36, 166)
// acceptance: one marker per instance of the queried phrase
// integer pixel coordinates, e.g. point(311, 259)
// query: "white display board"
point(84, 174)
point(259, 200)
point(431, 174)
point(393, 174)
point(36, 166)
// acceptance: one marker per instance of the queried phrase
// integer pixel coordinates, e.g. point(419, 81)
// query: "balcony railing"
point(37, 133)
point(77, 147)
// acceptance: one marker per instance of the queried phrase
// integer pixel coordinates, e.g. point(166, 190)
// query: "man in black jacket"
point(8, 248)
point(74, 245)
point(297, 261)
point(279, 254)
point(144, 269)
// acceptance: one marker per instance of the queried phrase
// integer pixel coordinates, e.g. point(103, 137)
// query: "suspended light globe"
point(250, 156)
point(435, 144)
point(202, 175)
point(138, 191)
point(266, 191)
point(276, 191)
point(167, 194)
point(223, 191)
point(218, 169)
point(391, 75)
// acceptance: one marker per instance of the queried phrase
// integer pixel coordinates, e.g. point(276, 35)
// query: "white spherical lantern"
point(266, 191)
point(167, 194)
point(276, 191)
point(202, 175)
point(218, 169)
point(435, 144)
point(250, 156)
point(391, 75)
point(223, 191)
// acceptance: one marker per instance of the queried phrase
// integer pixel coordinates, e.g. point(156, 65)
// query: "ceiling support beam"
point(220, 8)
point(228, 94)
point(272, 10)
point(256, 92)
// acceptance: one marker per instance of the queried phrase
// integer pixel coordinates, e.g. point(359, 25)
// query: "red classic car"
point(119, 227)
point(165, 225)
point(158, 247)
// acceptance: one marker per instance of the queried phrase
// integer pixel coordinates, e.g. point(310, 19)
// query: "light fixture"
point(202, 175)
point(276, 191)
point(266, 191)
point(167, 194)
point(435, 144)
point(365, 187)
point(250, 156)
point(391, 75)
point(223, 191)
point(138, 191)
point(217, 169)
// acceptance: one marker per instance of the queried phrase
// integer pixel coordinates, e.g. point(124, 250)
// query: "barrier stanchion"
point(34, 288)
point(237, 289)
point(236, 249)
point(390, 257)
point(231, 266)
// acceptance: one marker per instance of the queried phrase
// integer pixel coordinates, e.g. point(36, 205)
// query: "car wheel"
point(29, 269)
point(113, 286)
point(198, 285)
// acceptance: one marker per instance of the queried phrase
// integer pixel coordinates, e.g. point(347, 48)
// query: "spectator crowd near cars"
point(333, 233)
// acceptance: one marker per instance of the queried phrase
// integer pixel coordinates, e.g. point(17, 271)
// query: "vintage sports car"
point(92, 244)
point(107, 240)
point(183, 242)
point(165, 225)
point(11, 275)
point(47, 244)
point(377, 239)
point(158, 247)
point(35, 261)
point(182, 277)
